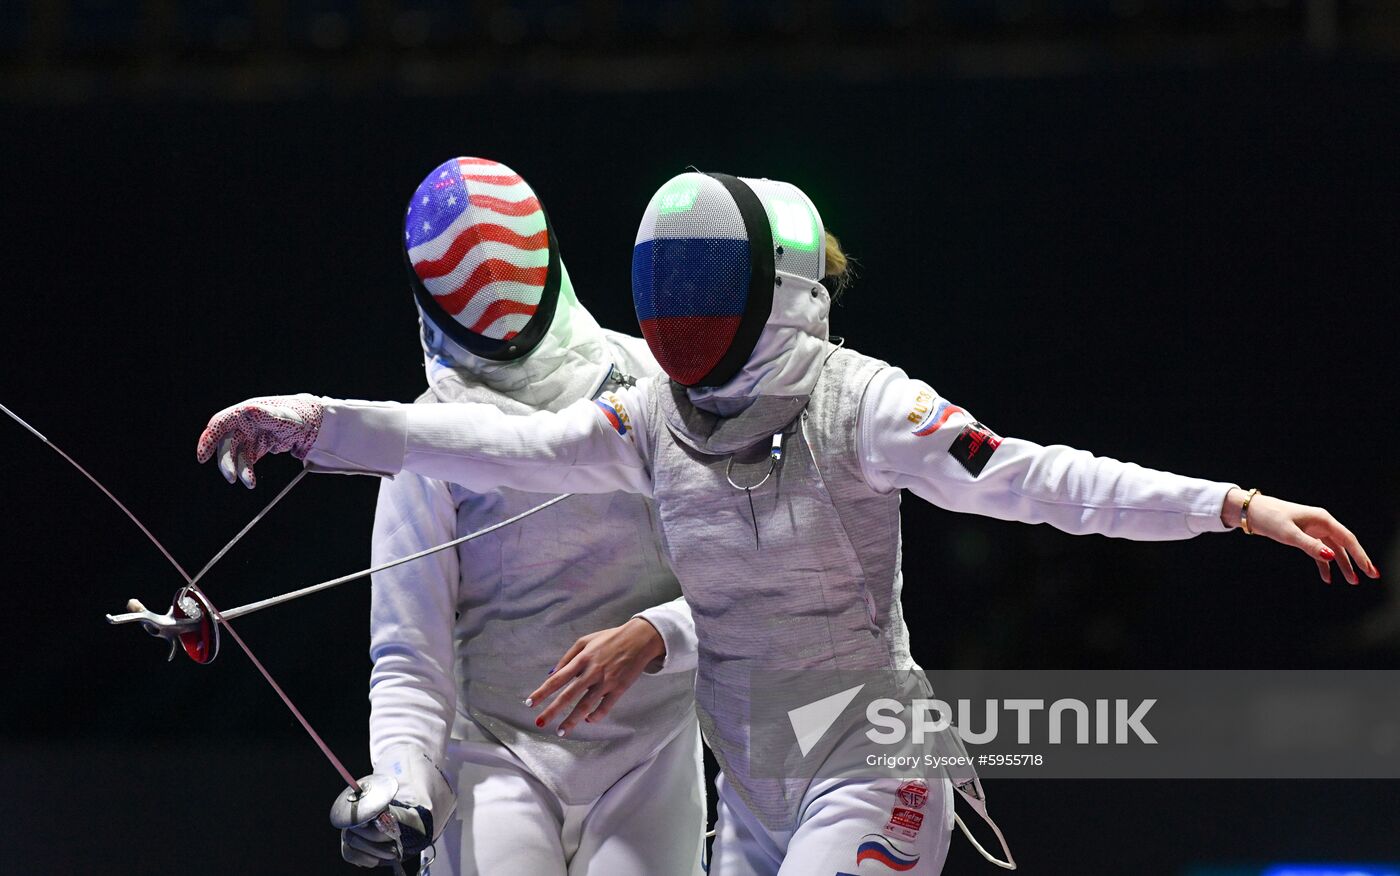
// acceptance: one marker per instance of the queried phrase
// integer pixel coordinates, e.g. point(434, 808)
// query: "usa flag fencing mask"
point(483, 261)
point(714, 253)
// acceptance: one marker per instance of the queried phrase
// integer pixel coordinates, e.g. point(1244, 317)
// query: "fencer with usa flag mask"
point(776, 460)
point(460, 638)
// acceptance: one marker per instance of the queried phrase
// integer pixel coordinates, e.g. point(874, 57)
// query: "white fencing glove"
point(245, 433)
point(422, 807)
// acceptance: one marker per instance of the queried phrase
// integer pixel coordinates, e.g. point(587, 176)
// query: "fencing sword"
point(362, 800)
point(190, 604)
point(188, 624)
point(193, 599)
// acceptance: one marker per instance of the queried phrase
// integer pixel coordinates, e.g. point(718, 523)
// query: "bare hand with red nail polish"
point(595, 672)
point(1312, 530)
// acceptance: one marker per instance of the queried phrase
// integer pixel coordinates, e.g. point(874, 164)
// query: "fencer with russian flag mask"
point(461, 637)
point(776, 460)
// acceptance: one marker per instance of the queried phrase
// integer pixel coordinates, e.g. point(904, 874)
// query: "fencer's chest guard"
point(710, 252)
point(821, 588)
point(531, 589)
point(483, 259)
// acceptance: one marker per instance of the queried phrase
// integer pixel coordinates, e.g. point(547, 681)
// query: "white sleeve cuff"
point(1205, 514)
point(360, 437)
point(421, 781)
point(677, 631)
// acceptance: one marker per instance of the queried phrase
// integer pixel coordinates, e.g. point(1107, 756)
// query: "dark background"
point(1162, 231)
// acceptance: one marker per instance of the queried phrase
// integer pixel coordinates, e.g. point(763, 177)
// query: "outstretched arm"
point(589, 447)
point(912, 438)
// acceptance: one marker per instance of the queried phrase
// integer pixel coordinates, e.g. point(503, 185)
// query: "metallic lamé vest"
point(816, 587)
point(528, 591)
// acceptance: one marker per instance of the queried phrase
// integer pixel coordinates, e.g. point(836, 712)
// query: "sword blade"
point(251, 523)
point(306, 725)
point(108, 493)
point(243, 610)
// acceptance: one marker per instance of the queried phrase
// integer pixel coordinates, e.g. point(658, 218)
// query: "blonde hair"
point(840, 269)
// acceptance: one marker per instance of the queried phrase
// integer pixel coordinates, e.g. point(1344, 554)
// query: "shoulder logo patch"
point(974, 445)
point(937, 415)
point(612, 408)
point(929, 412)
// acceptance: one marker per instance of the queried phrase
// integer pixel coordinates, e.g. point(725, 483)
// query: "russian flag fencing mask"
point(482, 257)
point(708, 269)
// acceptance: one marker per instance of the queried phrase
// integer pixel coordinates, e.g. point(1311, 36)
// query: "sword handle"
point(389, 826)
point(373, 793)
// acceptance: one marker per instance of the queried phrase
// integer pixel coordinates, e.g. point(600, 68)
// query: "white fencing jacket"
point(459, 637)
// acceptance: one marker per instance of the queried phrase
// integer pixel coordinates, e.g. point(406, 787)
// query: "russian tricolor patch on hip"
point(876, 848)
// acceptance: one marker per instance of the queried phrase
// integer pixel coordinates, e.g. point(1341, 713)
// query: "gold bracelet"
point(1244, 512)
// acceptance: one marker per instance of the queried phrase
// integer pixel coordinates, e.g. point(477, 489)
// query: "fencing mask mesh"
point(709, 259)
point(483, 260)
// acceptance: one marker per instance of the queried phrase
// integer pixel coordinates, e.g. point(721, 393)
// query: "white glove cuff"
point(421, 782)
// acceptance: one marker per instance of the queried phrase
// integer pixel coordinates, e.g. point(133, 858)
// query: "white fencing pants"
point(650, 823)
point(848, 827)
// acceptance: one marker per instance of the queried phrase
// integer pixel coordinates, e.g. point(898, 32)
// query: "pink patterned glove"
point(246, 432)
